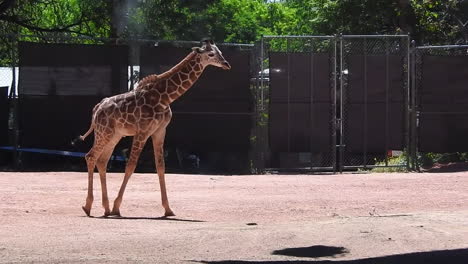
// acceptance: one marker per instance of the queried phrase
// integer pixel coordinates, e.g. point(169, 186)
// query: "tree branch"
point(16, 20)
point(5, 5)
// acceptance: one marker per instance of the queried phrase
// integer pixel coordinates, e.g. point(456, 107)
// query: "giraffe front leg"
point(158, 142)
point(137, 146)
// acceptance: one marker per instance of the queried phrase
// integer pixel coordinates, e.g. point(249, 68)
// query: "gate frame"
point(263, 105)
point(338, 87)
point(407, 102)
point(416, 82)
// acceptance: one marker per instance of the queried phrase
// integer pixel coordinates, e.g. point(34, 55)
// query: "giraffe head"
point(211, 55)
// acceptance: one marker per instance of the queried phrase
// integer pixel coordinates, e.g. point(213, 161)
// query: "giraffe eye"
point(211, 54)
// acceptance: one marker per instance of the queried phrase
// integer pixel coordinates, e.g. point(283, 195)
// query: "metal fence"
point(297, 84)
point(307, 103)
point(374, 100)
point(334, 102)
point(62, 78)
point(440, 87)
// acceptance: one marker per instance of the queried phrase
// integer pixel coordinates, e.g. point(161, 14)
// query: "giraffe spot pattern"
point(165, 99)
point(174, 96)
point(181, 90)
point(147, 111)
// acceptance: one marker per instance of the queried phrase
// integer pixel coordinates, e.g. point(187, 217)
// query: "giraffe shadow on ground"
point(452, 256)
point(312, 252)
point(160, 218)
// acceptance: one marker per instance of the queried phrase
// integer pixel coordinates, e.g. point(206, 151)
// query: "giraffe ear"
point(197, 49)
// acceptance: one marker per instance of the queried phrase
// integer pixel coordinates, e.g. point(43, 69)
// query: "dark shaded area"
point(59, 85)
point(161, 218)
point(72, 69)
point(443, 133)
point(443, 101)
point(300, 107)
point(455, 256)
point(52, 122)
point(311, 252)
point(5, 157)
point(375, 104)
point(4, 112)
point(447, 167)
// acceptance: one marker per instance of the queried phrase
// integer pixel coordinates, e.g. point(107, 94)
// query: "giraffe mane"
point(152, 78)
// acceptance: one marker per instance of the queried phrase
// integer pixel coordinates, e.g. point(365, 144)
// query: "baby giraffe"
point(142, 113)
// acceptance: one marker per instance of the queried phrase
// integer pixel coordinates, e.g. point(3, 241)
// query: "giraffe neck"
point(181, 77)
point(173, 83)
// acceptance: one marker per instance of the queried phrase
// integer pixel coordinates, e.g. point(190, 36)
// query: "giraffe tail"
point(91, 128)
point(83, 137)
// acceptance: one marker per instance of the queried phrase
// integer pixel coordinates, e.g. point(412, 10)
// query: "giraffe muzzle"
point(226, 66)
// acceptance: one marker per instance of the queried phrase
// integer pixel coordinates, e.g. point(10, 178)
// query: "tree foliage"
point(428, 21)
point(35, 17)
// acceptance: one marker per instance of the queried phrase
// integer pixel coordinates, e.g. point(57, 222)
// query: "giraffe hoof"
point(117, 214)
point(169, 213)
point(106, 214)
point(87, 211)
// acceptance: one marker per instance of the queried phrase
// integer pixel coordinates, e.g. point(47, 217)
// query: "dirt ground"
point(349, 218)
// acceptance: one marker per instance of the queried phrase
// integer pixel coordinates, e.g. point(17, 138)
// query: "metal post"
point(342, 105)
point(289, 96)
point(15, 99)
point(365, 103)
point(334, 119)
point(262, 97)
point(312, 88)
point(414, 118)
point(262, 132)
point(131, 76)
point(387, 107)
point(409, 108)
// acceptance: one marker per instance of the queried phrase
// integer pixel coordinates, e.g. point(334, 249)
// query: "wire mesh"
point(229, 162)
point(296, 91)
point(440, 99)
point(373, 99)
point(8, 82)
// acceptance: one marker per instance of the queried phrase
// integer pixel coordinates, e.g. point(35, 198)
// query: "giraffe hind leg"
point(91, 159)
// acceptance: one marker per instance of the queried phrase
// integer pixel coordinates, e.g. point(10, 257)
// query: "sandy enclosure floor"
point(349, 218)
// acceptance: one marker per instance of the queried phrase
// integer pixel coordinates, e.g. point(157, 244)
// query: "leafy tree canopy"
point(244, 21)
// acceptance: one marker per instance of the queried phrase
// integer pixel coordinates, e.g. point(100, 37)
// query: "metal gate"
point(439, 81)
point(329, 103)
point(297, 102)
point(374, 100)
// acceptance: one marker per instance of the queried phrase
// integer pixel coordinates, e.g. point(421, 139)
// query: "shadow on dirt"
point(456, 256)
point(311, 252)
point(161, 218)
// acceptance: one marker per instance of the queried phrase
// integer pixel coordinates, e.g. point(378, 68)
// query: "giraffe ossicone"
point(142, 113)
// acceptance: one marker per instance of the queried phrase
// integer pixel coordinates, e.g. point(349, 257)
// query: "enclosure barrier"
point(60, 83)
point(297, 86)
point(290, 103)
point(441, 100)
point(334, 102)
point(374, 99)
